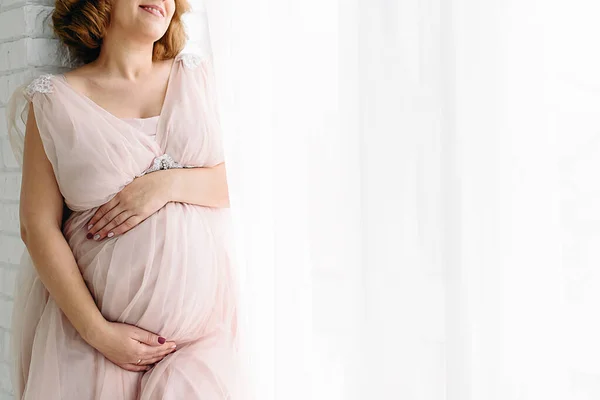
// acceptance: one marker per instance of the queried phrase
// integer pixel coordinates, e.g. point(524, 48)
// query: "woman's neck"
point(125, 58)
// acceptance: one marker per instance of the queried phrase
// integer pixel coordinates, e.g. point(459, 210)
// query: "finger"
point(126, 225)
point(109, 229)
point(132, 366)
point(103, 209)
point(135, 367)
point(152, 351)
point(146, 351)
point(106, 218)
point(149, 338)
point(161, 354)
point(154, 360)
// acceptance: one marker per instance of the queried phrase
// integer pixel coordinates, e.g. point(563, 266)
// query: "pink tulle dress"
point(172, 274)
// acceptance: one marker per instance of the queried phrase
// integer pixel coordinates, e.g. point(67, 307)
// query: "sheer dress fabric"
point(172, 274)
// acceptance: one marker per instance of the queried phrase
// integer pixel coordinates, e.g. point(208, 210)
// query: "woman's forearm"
point(201, 186)
point(58, 271)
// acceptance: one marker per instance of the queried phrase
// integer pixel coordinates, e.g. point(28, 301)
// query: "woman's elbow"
point(225, 203)
point(225, 196)
point(27, 231)
point(33, 226)
point(24, 233)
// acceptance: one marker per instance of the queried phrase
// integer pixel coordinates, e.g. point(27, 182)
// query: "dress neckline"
point(164, 102)
point(164, 108)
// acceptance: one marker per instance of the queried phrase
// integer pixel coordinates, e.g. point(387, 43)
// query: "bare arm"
point(41, 208)
point(147, 194)
point(201, 186)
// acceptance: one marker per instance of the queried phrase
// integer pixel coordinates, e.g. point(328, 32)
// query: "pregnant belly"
point(171, 274)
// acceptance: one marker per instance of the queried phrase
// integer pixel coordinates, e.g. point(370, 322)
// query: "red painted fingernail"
point(161, 340)
point(89, 236)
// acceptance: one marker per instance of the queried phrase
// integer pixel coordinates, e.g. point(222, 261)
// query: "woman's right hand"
point(125, 344)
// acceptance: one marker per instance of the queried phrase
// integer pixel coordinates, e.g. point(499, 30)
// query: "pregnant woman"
point(127, 289)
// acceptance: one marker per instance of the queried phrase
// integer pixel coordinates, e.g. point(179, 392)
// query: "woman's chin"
point(149, 38)
point(151, 32)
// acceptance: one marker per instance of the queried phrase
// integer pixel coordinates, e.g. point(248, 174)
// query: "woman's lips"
point(155, 10)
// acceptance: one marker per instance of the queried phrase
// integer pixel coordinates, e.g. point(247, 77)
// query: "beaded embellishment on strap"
point(164, 162)
point(41, 84)
point(190, 60)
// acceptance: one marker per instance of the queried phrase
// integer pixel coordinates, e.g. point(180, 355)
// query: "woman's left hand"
point(133, 204)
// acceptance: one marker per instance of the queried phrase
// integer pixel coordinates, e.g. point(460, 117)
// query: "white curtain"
point(336, 176)
point(414, 188)
point(523, 288)
point(295, 180)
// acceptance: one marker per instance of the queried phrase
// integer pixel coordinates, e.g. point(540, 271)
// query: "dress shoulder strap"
point(41, 84)
point(190, 60)
point(17, 111)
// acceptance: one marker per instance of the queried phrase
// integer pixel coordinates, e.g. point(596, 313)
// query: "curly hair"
point(81, 26)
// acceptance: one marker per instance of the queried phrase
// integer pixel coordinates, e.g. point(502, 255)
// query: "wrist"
point(170, 184)
point(94, 330)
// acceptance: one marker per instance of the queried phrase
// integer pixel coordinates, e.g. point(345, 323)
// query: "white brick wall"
point(27, 49)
